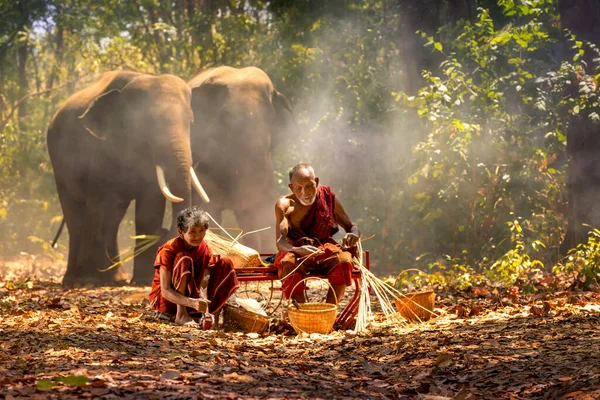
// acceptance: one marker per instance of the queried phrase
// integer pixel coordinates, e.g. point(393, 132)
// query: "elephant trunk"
point(178, 175)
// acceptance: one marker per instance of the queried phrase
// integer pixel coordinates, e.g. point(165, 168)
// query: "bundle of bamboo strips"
point(386, 295)
point(241, 256)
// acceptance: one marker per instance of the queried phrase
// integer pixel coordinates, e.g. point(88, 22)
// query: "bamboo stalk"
point(386, 295)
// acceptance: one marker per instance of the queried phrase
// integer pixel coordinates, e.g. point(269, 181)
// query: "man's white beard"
point(308, 202)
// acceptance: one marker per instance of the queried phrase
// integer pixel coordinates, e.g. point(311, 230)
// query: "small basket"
point(416, 306)
point(313, 317)
point(239, 319)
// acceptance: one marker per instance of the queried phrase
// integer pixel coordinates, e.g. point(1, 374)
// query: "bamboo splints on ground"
point(386, 295)
point(145, 242)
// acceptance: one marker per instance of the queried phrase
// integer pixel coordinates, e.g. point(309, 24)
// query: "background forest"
point(442, 125)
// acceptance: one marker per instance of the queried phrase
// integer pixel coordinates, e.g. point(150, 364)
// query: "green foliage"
point(570, 91)
point(516, 264)
point(484, 158)
point(584, 260)
point(436, 175)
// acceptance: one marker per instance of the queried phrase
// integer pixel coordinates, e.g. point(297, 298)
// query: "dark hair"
point(298, 167)
point(190, 217)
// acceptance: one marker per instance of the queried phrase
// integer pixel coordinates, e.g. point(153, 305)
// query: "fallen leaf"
point(171, 374)
point(43, 385)
point(475, 311)
point(75, 380)
point(238, 378)
point(443, 360)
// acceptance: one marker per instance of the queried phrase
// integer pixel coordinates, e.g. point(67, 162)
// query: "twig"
point(22, 99)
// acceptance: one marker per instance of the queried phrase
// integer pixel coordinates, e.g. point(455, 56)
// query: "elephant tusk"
point(160, 174)
point(198, 186)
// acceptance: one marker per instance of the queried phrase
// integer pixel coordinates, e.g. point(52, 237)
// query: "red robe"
point(173, 256)
point(317, 229)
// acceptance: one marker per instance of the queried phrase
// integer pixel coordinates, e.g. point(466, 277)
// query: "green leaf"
point(43, 385)
point(76, 380)
point(438, 46)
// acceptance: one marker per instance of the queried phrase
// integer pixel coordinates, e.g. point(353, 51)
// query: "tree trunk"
point(3, 103)
point(159, 43)
point(22, 53)
point(202, 35)
point(583, 136)
point(58, 56)
point(58, 59)
point(461, 9)
point(409, 48)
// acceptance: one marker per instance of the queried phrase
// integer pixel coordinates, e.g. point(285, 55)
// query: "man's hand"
point(202, 305)
point(207, 321)
point(350, 239)
point(306, 250)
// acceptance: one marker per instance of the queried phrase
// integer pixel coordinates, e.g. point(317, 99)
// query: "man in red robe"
point(188, 278)
point(306, 221)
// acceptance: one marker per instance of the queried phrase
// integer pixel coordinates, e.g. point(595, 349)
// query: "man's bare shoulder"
point(284, 202)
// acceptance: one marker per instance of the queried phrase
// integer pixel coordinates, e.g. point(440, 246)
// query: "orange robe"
point(180, 261)
point(317, 229)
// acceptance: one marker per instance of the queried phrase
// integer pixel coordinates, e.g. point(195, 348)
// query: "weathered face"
point(194, 236)
point(304, 186)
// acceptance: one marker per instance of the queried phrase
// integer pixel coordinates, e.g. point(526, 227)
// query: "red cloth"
point(180, 261)
point(317, 229)
point(319, 222)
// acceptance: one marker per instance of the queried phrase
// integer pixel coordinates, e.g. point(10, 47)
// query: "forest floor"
point(97, 343)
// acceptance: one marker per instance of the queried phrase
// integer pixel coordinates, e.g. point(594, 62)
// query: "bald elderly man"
point(306, 221)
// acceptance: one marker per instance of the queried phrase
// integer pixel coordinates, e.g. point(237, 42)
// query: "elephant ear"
point(285, 123)
point(100, 114)
point(207, 99)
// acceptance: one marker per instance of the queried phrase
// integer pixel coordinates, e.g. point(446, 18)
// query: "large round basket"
point(236, 318)
point(417, 306)
point(313, 317)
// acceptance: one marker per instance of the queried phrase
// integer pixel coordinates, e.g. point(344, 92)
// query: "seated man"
point(187, 277)
point(306, 221)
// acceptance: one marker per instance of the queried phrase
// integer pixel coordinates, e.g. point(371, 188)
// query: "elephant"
point(243, 118)
point(125, 137)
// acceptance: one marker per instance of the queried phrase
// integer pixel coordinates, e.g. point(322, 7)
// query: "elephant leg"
point(74, 213)
point(254, 219)
point(149, 214)
point(114, 213)
point(92, 256)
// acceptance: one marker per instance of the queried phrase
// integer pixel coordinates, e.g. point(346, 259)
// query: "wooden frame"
point(269, 274)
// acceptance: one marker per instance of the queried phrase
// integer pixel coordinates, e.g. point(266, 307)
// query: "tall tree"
point(583, 136)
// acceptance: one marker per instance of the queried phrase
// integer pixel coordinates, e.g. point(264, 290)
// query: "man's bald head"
point(302, 171)
point(303, 184)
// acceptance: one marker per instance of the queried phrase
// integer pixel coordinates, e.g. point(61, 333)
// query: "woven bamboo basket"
point(416, 306)
point(236, 318)
point(313, 317)
point(241, 256)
